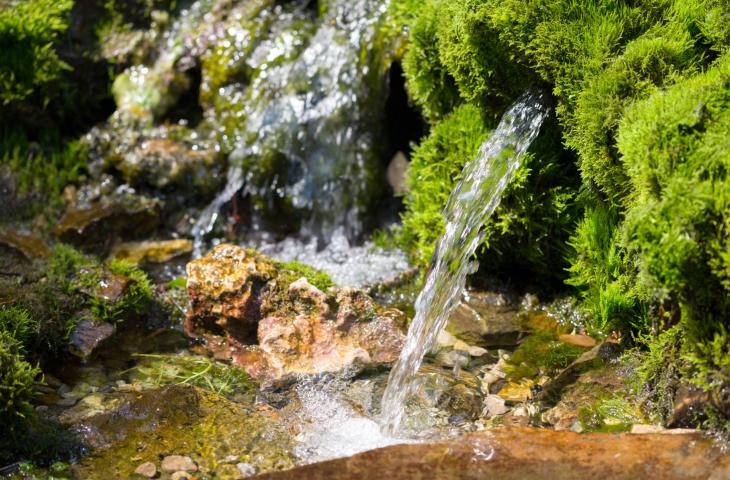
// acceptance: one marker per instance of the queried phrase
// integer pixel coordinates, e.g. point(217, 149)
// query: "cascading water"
point(303, 126)
point(470, 205)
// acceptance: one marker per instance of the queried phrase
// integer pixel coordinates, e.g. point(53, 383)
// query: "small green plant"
point(132, 302)
point(158, 370)
point(17, 390)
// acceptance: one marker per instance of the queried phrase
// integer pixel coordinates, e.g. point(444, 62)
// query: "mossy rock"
point(183, 420)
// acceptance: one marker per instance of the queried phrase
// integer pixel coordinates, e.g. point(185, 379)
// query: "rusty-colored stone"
point(249, 310)
point(30, 245)
point(525, 454)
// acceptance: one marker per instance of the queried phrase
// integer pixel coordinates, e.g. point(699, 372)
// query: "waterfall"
point(470, 205)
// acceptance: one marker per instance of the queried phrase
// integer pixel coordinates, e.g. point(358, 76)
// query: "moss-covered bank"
point(624, 197)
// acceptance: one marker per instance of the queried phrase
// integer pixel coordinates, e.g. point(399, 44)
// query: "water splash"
point(470, 205)
point(349, 265)
point(331, 426)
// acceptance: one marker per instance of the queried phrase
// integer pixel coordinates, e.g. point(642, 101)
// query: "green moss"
point(31, 66)
point(17, 390)
point(134, 301)
point(603, 272)
point(292, 271)
point(540, 354)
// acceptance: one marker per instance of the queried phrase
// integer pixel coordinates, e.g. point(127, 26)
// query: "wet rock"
point(151, 251)
point(517, 391)
point(30, 245)
point(87, 336)
point(396, 173)
point(147, 469)
point(464, 402)
point(591, 359)
point(181, 475)
point(246, 469)
point(165, 162)
point(494, 405)
point(121, 215)
point(578, 340)
point(690, 405)
point(486, 319)
point(277, 325)
point(178, 418)
point(525, 454)
point(178, 463)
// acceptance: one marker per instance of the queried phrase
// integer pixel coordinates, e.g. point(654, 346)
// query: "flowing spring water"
point(304, 127)
point(470, 205)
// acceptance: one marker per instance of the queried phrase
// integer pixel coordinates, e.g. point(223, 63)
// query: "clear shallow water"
point(470, 205)
point(332, 427)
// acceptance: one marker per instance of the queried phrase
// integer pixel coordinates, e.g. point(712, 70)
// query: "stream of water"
point(470, 205)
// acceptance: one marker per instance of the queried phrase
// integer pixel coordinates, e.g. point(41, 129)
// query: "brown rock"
point(525, 454)
point(178, 463)
point(87, 336)
point(486, 319)
point(159, 251)
point(95, 224)
point(578, 340)
point(249, 310)
point(147, 469)
point(30, 245)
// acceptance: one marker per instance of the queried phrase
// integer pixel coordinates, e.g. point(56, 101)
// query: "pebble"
point(231, 459)
point(147, 469)
point(177, 463)
point(67, 402)
point(180, 476)
point(246, 469)
point(494, 405)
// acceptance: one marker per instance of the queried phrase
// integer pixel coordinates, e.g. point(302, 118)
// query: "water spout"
point(470, 205)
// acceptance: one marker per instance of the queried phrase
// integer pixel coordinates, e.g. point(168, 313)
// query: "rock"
point(396, 173)
point(530, 454)
point(121, 214)
point(462, 401)
point(494, 405)
point(30, 245)
point(277, 325)
point(158, 251)
point(517, 391)
point(165, 162)
point(578, 340)
point(181, 475)
point(644, 428)
point(176, 463)
point(486, 319)
point(147, 469)
point(178, 419)
point(246, 469)
point(87, 336)
point(591, 359)
point(690, 406)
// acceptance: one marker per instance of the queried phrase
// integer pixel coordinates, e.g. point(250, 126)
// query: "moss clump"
point(135, 299)
point(32, 69)
point(541, 354)
point(604, 275)
point(674, 147)
point(17, 390)
point(291, 271)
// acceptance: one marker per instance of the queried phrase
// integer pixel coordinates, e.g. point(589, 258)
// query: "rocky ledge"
point(525, 454)
point(279, 321)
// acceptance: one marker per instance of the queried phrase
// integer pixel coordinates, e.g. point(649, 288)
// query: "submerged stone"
point(276, 324)
point(87, 336)
point(197, 429)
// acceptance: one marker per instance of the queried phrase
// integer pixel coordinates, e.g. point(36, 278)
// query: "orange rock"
point(578, 340)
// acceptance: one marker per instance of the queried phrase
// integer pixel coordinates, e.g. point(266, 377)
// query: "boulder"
point(94, 224)
point(273, 322)
point(525, 454)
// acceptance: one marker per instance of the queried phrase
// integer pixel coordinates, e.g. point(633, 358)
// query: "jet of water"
point(469, 207)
